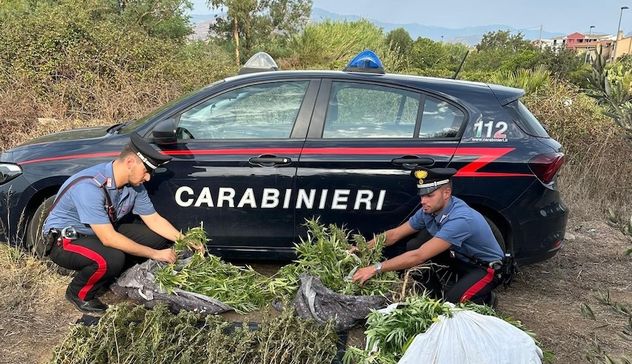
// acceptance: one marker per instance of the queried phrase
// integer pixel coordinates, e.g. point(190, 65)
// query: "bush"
point(331, 45)
point(597, 150)
point(75, 59)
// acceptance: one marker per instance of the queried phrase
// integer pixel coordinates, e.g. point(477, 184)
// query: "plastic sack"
point(138, 283)
point(317, 302)
point(469, 337)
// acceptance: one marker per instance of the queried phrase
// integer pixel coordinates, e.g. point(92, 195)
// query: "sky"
point(562, 16)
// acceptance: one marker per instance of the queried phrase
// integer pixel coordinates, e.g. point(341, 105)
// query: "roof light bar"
point(365, 61)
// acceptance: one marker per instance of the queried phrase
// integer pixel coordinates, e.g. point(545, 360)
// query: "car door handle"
point(413, 162)
point(269, 161)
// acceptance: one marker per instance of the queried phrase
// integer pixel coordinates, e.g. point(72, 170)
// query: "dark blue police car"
point(256, 154)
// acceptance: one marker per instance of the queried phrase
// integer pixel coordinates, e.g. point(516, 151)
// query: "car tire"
point(497, 234)
point(34, 242)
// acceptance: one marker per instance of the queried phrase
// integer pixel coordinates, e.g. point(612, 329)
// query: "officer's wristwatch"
point(378, 267)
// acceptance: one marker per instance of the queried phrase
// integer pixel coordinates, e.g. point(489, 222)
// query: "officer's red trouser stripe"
point(478, 286)
point(92, 255)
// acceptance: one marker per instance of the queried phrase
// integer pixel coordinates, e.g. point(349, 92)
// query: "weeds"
point(622, 309)
point(28, 280)
point(597, 355)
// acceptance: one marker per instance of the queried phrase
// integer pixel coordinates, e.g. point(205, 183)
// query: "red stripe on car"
point(71, 156)
point(484, 156)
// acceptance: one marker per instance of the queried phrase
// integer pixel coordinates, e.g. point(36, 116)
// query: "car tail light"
point(546, 166)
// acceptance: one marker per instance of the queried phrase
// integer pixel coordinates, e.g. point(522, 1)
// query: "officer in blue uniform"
point(86, 229)
point(448, 232)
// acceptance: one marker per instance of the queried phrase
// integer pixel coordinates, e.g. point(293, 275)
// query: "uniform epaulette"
point(100, 180)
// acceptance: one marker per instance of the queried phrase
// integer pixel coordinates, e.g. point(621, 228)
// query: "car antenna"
point(461, 65)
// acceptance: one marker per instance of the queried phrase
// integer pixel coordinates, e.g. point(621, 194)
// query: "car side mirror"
point(165, 132)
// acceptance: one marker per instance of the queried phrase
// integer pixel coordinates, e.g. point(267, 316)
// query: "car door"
point(235, 162)
point(364, 140)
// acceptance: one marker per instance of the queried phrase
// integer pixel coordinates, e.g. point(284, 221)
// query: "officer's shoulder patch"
point(100, 180)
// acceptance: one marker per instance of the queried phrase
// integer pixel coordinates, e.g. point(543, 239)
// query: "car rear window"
point(526, 120)
point(440, 119)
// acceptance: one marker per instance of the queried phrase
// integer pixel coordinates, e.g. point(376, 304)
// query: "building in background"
point(624, 45)
point(588, 44)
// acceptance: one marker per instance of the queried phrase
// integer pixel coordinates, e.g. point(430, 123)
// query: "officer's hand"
point(165, 255)
point(363, 274)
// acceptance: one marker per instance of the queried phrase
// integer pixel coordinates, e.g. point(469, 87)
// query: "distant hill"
point(468, 35)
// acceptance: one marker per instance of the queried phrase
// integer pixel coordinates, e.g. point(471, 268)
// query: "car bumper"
point(538, 221)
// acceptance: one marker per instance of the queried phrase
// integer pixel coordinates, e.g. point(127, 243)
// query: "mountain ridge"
point(471, 35)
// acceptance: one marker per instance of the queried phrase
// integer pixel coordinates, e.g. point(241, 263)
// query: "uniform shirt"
point(463, 227)
point(84, 203)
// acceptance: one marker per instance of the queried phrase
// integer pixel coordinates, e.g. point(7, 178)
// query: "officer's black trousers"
point(448, 278)
point(98, 265)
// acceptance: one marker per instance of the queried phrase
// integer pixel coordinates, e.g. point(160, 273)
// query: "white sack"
point(469, 337)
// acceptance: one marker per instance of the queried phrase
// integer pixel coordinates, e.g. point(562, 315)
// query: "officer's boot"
point(91, 306)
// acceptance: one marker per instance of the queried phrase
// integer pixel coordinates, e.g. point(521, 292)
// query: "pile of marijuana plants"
point(239, 287)
point(133, 334)
point(326, 254)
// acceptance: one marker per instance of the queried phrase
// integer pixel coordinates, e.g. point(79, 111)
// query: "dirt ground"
point(547, 297)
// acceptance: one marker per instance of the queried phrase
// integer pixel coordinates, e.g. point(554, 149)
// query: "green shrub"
point(84, 59)
point(331, 45)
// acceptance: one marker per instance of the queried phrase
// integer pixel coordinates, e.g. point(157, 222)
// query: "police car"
point(256, 154)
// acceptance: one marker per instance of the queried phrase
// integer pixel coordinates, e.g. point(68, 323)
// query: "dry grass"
point(595, 177)
point(33, 313)
point(33, 283)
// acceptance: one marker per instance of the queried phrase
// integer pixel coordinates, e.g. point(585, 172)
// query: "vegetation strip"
point(133, 334)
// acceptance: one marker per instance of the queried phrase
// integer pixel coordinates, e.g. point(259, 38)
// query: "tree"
point(426, 53)
point(165, 19)
point(562, 62)
point(399, 41)
point(250, 22)
point(503, 40)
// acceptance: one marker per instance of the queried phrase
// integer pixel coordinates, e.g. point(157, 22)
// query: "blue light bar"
point(365, 61)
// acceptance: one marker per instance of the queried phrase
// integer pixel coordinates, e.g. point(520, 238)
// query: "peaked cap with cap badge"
point(430, 179)
point(150, 157)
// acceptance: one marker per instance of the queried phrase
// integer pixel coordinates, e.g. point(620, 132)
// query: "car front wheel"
point(34, 241)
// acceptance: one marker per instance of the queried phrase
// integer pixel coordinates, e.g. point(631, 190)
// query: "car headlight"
point(9, 171)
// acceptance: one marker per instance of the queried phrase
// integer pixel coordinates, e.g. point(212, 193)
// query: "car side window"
point(440, 119)
point(261, 111)
point(358, 110)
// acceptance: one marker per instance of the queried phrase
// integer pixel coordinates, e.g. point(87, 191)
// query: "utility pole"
point(540, 41)
point(616, 37)
point(588, 50)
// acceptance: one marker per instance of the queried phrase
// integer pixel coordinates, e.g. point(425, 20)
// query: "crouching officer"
point(85, 225)
point(451, 234)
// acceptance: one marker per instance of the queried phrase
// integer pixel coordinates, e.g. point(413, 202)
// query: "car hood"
point(88, 141)
point(75, 134)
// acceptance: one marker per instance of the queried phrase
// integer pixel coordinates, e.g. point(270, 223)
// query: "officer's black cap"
point(430, 179)
point(151, 158)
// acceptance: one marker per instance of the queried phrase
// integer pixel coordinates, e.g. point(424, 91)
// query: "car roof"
point(503, 94)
